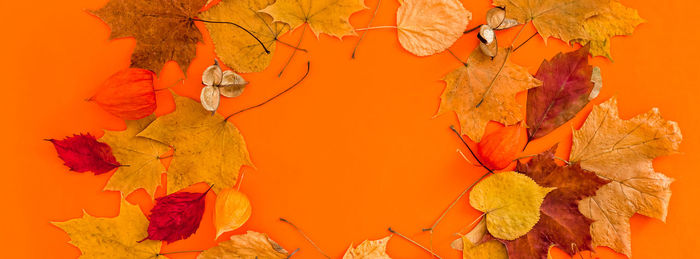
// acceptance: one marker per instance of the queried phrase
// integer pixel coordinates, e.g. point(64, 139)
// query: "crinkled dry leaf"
point(323, 16)
point(231, 211)
point(479, 244)
point(140, 154)
point(207, 148)
point(249, 245)
point(375, 249)
point(112, 237)
point(426, 27)
point(496, 19)
point(467, 85)
point(511, 202)
point(622, 151)
point(619, 20)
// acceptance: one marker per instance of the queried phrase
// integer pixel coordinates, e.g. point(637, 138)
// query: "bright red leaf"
point(82, 153)
point(128, 94)
point(176, 216)
point(498, 148)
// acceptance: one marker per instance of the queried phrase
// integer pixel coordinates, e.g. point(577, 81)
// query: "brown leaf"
point(426, 27)
point(249, 245)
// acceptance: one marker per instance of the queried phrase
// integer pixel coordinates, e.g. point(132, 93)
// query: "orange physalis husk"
point(128, 94)
point(498, 148)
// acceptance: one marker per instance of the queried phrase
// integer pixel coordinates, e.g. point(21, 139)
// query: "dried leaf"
point(231, 211)
point(112, 237)
point(511, 202)
point(140, 154)
point(426, 27)
point(163, 29)
point(375, 249)
point(622, 151)
point(479, 244)
point(467, 85)
point(618, 20)
point(499, 148)
point(566, 86)
point(323, 16)
point(176, 216)
point(249, 245)
point(207, 148)
point(82, 153)
point(597, 80)
point(128, 94)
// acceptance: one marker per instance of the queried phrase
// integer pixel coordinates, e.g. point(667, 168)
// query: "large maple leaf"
point(619, 20)
point(560, 223)
point(207, 148)
point(112, 237)
point(622, 151)
point(164, 29)
point(323, 16)
point(248, 245)
point(478, 96)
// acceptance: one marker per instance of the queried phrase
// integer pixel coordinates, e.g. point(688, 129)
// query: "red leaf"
point(498, 148)
point(128, 94)
point(176, 216)
point(560, 223)
point(82, 153)
point(566, 86)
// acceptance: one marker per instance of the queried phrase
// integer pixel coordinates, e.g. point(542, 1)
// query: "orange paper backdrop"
point(353, 150)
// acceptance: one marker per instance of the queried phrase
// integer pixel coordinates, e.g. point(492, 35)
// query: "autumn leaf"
point(323, 16)
point(216, 83)
point(128, 94)
point(556, 18)
point(207, 148)
point(112, 237)
point(477, 98)
point(375, 249)
point(249, 245)
point(82, 153)
point(235, 47)
point(231, 211)
point(561, 224)
point(619, 20)
point(622, 151)
point(176, 216)
point(140, 154)
point(566, 86)
point(426, 27)
point(164, 29)
point(499, 148)
point(511, 202)
point(479, 244)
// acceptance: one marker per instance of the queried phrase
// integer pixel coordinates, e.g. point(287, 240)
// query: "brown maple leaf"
point(164, 29)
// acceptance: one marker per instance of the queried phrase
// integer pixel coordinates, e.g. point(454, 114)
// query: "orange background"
point(351, 151)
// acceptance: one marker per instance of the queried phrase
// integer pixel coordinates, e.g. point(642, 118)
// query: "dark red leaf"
point(82, 153)
point(176, 216)
point(566, 86)
point(128, 94)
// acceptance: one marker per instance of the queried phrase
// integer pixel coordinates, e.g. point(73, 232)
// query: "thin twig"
point(455, 56)
point(454, 202)
point(414, 242)
point(234, 24)
point(376, 8)
point(293, 252)
point(303, 29)
point(528, 39)
point(470, 149)
point(305, 236)
point(473, 29)
point(291, 46)
point(169, 86)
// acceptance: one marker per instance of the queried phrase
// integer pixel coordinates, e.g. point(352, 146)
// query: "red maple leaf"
point(176, 216)
point(82, 153)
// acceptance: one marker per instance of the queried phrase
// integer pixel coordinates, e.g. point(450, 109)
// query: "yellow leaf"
point(234, 46)
point(140, 157)
point(323, 16)
point(231, 211)
point(473, 247)
point(207, 148)
point(622, 151)
point(375, 249)
point(511, 202)
point(467, 85)
point(556, 18)
point(249, 245)
point(619, 20)
point(112, 237)
point(426, 27)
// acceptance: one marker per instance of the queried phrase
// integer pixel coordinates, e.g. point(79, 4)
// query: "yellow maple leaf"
point(140, 157)
point(231, 211)
point(234, 46)
point(511, 202)
point(207, 148)
point(116, 237)
point(622, 151)
point(375, 249)
point(472, 85)
point(323, 16)
point(426, 27)
point(619, 20)
point(249, 245)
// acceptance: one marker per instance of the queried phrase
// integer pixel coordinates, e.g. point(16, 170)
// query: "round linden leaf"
point(511, 202)
point(231, 211)
point(210, 98)
point(426, 27)
point(232, 85)
point(212, 75)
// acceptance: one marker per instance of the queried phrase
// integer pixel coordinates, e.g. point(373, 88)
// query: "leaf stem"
point(473, 29)
point(305, 236)
point(458, 59)
point(169, 86)
point(234, 24)
point(303, 30)
point(414, 242)
point(293, 252)
point(454, 202)
point(376, 8)
point(452, 127)
point(292, 46)
point(528, 39)
point(377, 27)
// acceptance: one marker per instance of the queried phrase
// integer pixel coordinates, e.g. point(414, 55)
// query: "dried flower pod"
point(488, 43)
point(216, 83)
point(496, 19)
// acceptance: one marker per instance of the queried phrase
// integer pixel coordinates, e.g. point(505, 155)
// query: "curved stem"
point(303, 29)
point(470, 149)
point(376, 8)
point(458, 59)
point(234, 24)
point(473, 29)
point(454, 202)
point(414, 242)
point(292, 46)
point(528, 39)
point(305, 236)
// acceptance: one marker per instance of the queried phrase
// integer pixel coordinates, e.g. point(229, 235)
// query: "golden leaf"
point(323, 16)
point(116, 237)
point(249, 245)
point(511, 202)
point(375, 249)
point(619, 20)
point(426, 27)
point(207, 148)
point(473, 246)
point(231, 211)
point(466, 86)
point(138, 155)
point(234, 46)
point(622, 151)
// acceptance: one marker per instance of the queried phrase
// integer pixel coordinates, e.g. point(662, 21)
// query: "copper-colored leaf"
point(426, 27)
point(249, 245)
